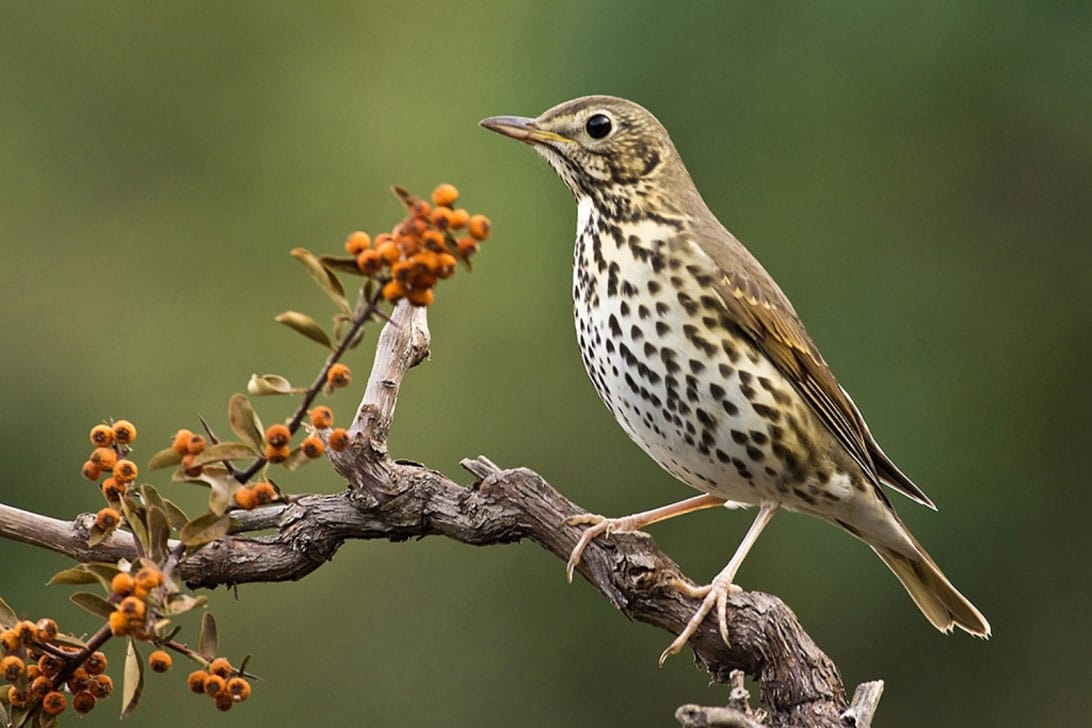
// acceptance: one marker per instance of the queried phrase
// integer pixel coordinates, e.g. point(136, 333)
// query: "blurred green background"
point(916, 176)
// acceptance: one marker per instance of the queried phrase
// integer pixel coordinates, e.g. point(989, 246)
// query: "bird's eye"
point(598, 126)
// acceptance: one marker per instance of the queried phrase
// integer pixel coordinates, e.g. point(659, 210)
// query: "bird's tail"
point(938, 600)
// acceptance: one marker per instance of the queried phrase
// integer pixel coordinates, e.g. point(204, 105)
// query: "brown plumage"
point(704, 361)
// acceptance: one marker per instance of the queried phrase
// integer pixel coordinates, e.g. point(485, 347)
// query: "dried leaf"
point(180, 603)
point(204, 529)
point(159, 531)
point(134, 517)
point(244, 421)
point(97, 535)
point(74, 575)
point(164, 459)
point(304, 324)
point(225, 451)
point(92, 603)
point(264, 384)
point(41, 720)
point(175, 515)
point(345, 265)
point(296, 460)
point(8, 617)
point(209, 641)
point(69, 641)
point(326, 280)
point(133, 685)
point(151, 495)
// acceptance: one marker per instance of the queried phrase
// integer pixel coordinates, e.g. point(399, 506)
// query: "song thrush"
point(704, 362)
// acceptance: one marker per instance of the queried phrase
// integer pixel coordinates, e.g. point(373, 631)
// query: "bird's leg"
point(600, 525)
point(716, 593)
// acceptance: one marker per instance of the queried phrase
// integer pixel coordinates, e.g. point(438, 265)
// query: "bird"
point(705, 364)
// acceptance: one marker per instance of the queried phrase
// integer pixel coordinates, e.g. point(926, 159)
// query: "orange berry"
point(214, 685)
point(83, 702)
point(392, 291)
point(148, 578)
point(33, 671)
point(159, 661)
point(220, 666)
point(445, 265)
point(188, 467)
point(369, 262)
point(389, 252)
point(49, 665)
point(238, 689)
point(132, 608)
point(466, 246)
point(101, 686)
point(196, 445)
point(421, 296)
point(104, 457)
point(277, 454)
point(408, 244)
point(278, 435)
point(11, 667)
point(445, 194)
point(196, 681)
point(17, 698)
point(119, 624)
point(339, 375)
point(125, 471)
point(265, 493)
point(80, 679)
point(124, 432)
point(402, 270)
point(223, 701)
point(107, 519)
point(441, 217)
point(54, 703)
point(382, 238)
point(420, 209)
point(181, 442)
point(40, 686)
point(91, 471)
point(47, 629)
point(459, 218)
point(122, 584)
point(322, 417)
point(95, 664)
point(434, 241)
point(357, 242)
point(313, 447)
point(479, 226)
point(244, 498)
point(338, 440)
point(9, 641)
point(102, 436)
point(27, 631)
point(112, 490)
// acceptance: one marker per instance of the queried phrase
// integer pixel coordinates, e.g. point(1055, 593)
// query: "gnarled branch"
point(396, 500)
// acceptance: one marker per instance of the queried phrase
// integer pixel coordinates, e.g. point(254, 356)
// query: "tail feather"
point(938, 600)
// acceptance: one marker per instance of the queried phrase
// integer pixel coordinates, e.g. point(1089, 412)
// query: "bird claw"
point(712, 595)
point(597, 526)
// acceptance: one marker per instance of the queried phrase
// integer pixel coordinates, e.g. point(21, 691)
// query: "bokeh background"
point(916, 176)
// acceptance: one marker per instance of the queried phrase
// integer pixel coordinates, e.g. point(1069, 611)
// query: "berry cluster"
point(112, 443)
point(132, 595)
point(221, 682)
point(422, 249)
point(43, 671)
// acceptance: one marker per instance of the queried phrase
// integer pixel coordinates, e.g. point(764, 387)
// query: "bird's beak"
point(521, 128)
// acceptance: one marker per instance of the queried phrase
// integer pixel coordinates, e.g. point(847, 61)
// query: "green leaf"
point(345, 265)
point(265, 384)
point(209, 641)
point(8, 617)
point(97, 535)
point(134, 517)
point(244, 421)
point(296, 460)
point(74, 575)
point(92, 603)
point(159, 531)
point(304, 324)
point(225, 451)
point(204, 529)
point(325, 279)
point(175, 515)
point(151, 496)
point(69, 641)
point(133, 684)
point(164, 459)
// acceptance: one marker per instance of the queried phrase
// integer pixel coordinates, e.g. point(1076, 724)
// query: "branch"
point(399, 500)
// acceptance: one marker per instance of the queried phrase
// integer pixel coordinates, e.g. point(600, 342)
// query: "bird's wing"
point(765, 314)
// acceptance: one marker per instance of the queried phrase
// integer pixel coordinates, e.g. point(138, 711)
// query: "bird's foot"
point(712, 595)
point(597, 526)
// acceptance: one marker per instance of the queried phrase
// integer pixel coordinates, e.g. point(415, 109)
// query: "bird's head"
point(599, 145)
